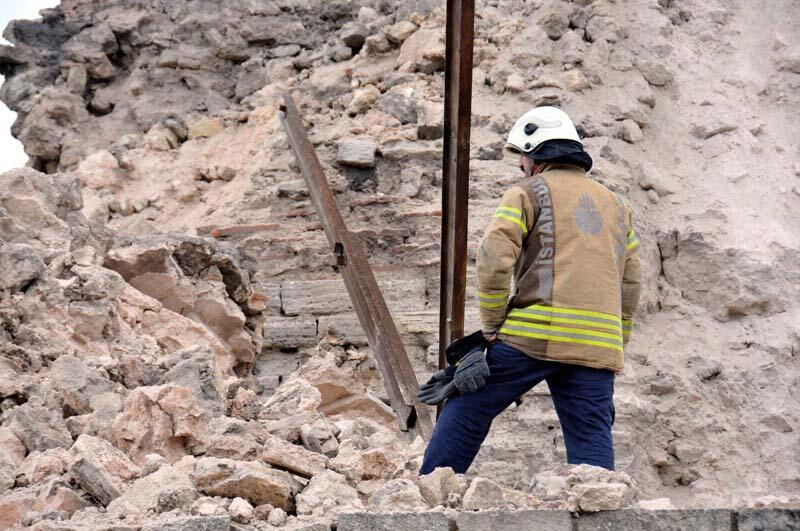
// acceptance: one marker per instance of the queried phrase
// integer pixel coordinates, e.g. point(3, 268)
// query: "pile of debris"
point(126, 391)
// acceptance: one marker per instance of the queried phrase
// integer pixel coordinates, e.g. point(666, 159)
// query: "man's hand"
point(491, 338)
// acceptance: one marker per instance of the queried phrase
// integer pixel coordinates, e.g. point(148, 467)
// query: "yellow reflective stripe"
point(483, 295)
point(516, 221)
point(567, 320)
point(492, 304)
point(633, 240)
point(549, 337)
point(564, 329)
point(587, 313)
point(627, 328)
point(511, 214)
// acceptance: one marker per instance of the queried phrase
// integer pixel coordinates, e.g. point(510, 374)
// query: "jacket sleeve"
point(497, 254)
point(631, 281)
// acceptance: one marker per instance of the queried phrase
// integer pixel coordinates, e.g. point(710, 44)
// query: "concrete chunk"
point(637, 520)
point(392, 522)
point(768, 519)
point(515, 521)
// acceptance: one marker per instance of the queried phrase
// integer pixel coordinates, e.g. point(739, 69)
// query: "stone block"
point(357, 152)
point(322, 297)
point(191, 523)
point(392, 522)
point(345, 326)
point(515, 521)
point(637, 520)
point(290, 332)
point(769, 519)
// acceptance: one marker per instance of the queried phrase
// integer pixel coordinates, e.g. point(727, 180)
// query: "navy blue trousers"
point(583, 398)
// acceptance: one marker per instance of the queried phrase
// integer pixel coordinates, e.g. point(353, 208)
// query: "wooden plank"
point(368, 302)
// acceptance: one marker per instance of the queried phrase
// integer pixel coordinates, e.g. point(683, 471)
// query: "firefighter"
point(568, 243)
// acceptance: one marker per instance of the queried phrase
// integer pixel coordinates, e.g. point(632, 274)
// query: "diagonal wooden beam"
point(460, 32)
point(368, 302)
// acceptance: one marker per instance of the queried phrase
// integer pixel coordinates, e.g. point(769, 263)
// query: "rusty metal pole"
point(368, 302)
point(455, 170)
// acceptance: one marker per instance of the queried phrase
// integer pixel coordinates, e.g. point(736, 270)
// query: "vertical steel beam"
point(455, 179)
point(373, 314)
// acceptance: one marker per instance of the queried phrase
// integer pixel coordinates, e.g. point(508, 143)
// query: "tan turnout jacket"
point(569, 244)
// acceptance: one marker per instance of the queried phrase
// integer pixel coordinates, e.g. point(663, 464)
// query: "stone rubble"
point(155, 377)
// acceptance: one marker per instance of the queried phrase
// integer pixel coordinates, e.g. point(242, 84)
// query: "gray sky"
point(11, 154)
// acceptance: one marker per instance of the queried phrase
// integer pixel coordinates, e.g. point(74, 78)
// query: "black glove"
point(439, 388)
point(471, 372)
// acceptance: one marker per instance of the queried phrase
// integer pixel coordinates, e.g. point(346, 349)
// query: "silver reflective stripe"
point(562, 314)
point(546, 330)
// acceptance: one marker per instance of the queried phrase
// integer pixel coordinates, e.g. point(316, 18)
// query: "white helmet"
point(539, 125)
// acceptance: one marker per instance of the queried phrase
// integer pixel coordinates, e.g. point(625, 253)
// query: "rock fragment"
point(12, 454)
point(554, 18)
point(363, 100)
point(657, 74)
point(78, 383)
point(430, 120)
point(400, 102)
point(252, 481)
point(160, 138)
point(277, 517)
point(442, 487)
point(593, 497)
point(100, 469)
point(39, 428)
point(204, 128)
point(328, 493)
point(483, 494)
point(20, 264)
point(168, 488)
point(398, 495)
point(357, 152)
point(353, 34)
point(160, 419)
point(423, 52)
point(631, 132)
point(400, 31)
point(241, 511)
point(196, 368)
point(294, 458)
point(39, 466)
